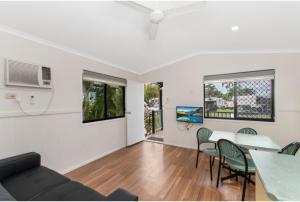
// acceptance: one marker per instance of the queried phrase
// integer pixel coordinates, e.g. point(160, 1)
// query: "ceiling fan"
point(156, 16)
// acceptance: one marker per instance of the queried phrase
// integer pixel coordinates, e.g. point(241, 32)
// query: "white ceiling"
point(164, 5)
point(117, 34)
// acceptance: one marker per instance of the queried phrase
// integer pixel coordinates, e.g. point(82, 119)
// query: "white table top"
point(260, 142)
point(279, 174)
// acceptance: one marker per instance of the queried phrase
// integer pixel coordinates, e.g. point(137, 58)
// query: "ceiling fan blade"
point(153, 30)
point(136, 6)
point(195, 6)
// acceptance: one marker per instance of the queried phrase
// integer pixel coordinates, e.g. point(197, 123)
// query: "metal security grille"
point(254, 99)
point(250, 96)
point(23, 73)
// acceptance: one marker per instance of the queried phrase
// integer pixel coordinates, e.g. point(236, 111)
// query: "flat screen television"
point(189, 114)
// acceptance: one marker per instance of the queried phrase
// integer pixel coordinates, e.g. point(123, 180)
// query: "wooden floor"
point(156, 171)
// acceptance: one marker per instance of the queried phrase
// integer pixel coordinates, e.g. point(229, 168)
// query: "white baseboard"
point(90, 160)
point(179, 145)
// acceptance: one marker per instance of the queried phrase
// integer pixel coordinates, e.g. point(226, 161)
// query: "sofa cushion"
point(121, 195)
point(17, 164)
point(26, 185)
point(70, 191)
point(5, 195)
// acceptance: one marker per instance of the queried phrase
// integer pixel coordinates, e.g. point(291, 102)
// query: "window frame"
point(235, 106)
point(105, 105)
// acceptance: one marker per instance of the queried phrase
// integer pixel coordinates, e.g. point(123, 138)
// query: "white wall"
point(64, 142)
point(59, 136)
point(183, 85)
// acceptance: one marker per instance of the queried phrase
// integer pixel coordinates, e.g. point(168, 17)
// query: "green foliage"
point(245, 91)
point(93, 100)
point(225, 110)
point(157, 120)
point(93, 103)
point(212, 91)
point(115, 101)
point(151, 91)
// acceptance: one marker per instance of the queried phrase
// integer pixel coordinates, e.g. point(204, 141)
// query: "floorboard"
point(156, 171)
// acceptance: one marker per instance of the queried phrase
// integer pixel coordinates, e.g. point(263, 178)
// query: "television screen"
point(189, 114)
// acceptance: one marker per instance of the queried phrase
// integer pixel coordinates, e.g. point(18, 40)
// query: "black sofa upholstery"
point(26, 180)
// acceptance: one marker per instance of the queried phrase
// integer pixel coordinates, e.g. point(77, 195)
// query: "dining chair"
point(248, 131)
point(203, 135)
point(290, 149)
point(236, 160)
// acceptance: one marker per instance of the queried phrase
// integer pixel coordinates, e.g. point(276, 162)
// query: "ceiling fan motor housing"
point(157, 16)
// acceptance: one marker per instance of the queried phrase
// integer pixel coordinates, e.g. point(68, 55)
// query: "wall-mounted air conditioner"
point(24, 74)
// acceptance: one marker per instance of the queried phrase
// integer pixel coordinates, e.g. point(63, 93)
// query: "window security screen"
point(241, 96)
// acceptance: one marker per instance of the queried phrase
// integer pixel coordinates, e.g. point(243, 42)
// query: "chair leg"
point(236, 177)
point(223, 161)
point(228, 177)
point(219, 171)
point(210, 169)
point(244, 187)
point(213, 162)
point(197, 158)
point(249, 177)
point(250, 180)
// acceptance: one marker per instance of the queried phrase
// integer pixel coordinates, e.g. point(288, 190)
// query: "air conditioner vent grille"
point(23, 73)
point(46, 73)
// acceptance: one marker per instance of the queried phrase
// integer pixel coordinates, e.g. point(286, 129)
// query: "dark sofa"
point(23, 178)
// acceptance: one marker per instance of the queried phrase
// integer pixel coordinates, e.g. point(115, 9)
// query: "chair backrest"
point(203, 135)
point(248, 131)
point(232, 152)
point(290, 149)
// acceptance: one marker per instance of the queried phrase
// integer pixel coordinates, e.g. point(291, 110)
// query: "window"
point(115, 101)
point(241, 96)
point(103, 97)
point(93, 106)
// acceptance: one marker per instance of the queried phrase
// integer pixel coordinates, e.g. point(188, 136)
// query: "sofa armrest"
point(16, 164)
point(122, 195)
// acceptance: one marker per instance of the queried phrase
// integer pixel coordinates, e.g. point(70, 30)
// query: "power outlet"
point(32, 100)
point(10, 96)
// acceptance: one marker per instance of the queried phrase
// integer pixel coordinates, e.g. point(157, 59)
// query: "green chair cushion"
point(211, 152)
point(235, 165)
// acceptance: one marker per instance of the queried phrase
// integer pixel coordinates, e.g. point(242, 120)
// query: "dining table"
point(277, 177)
point(257, 142)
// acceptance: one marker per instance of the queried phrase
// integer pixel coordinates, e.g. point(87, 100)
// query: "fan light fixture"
point(156, 16)
point(235, 28)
